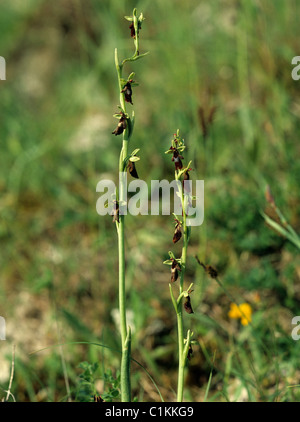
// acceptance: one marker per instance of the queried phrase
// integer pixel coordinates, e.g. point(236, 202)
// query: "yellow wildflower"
point(243, 311)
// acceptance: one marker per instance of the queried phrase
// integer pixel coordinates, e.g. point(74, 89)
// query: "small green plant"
point(126, 161)
point(178, 265)
point(112, 387)
point(86, 385)
point(86, 389)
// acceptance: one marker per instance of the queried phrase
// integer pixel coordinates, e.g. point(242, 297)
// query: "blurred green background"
point(58, 260)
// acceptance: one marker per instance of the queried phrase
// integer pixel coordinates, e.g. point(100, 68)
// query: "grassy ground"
point(58, 261)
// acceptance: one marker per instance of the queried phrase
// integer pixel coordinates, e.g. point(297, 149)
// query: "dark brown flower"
point(127, 90)
point(121, 125)
point(132, 169)
point(174, 270)
point(177, 233)
point(190, 352)
point(132, 30)
point(177, 159)
point(187, 305)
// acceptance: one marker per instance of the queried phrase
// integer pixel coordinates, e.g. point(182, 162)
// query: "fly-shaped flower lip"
point(121, 125)
point(132, 169)
point(127, 90)
point(187, 305)
point(177, 232)
point(176, 148)
point(175, 267)
point(177, 159)
point(190, 352)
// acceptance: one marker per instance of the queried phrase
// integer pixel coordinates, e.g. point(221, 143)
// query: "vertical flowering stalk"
point(178, 265)
point(125, 128)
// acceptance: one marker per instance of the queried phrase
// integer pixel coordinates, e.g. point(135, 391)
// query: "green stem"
point(125, 337)
point(182, 357)
point(122, 197)
point(125, 369)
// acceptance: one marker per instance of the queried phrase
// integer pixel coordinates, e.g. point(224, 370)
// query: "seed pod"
point(127, 90)
point(132, 169)
point(187, 305)
point(121, 125)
